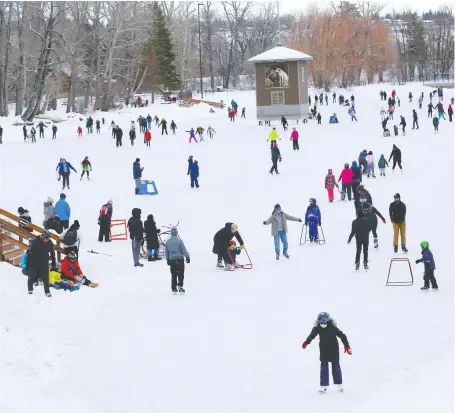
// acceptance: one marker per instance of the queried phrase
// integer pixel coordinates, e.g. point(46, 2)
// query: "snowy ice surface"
point(233, 342)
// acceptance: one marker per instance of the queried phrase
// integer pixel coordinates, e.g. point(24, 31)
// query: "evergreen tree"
point(164, 73)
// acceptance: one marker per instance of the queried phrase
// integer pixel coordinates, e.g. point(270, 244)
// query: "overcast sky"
point(420, 5)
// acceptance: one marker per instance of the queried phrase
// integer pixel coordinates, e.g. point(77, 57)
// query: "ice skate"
point(156, 258)
point(340, 388)
point(376, 245)
point(404, 249)
point(219, 264)
point(237, 265)
point(424, 288)
point(357, 266)
point(277, 255)
point(395, 248)
point(48, 295)
point(181, 290)
point(374, 176)
point(174, 291)
point(323, 390)
point(229, 267)
point(30, 293)
point(150, 258)
point(435, 288)
point(138, 265)
point(286, 254)
point(365, 265)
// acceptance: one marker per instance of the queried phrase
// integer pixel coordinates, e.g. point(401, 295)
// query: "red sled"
point(247, 266)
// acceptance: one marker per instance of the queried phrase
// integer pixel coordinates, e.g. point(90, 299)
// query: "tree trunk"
point(21, 77)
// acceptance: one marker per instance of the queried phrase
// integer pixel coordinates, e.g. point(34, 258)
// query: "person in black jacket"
point(136, 229)
point(163, 125)
point(39, 251)
point(284, 122)
point(371, 214)
point(151, 236)
point(414, 119)
point(276, 156)
point(104, 221)
point(396, 155)
point(173, 127)
point(221, 243)
point(41, 127)
point(98, 126)
point(397, 212)
point(403, 124)
point(329, 349)
point(118, 136)
point(361, 230)
point(132, 136)
point(24, 219)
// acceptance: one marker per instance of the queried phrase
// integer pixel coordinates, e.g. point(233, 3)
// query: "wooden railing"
point(14, 241)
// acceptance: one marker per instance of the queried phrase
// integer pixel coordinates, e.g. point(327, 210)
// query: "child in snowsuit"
point(430, 266)
point(54, 132)
point(147, 138)
point(173, 127)
point(234, 251)
point(313, 220)
point(382, 163)
point(55, 281)
point(395, 130)
point(370, 164)
point(403, 124)
point(192, 136)
point(71, 271)
point(329, 350)
point(79, 131)
point(194, 174)
point(151, 235)
point(200, 132)
point(330, 184)
point(33, 133)
point(86, 165)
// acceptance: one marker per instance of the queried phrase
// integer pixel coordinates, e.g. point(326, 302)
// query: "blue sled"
point(148, 188)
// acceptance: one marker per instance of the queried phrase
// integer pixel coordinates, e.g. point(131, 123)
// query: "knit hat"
point(277, 207)
point(138, 160)
point(62, 196)
point(354, 164)
point(20, 210)
point(76, 224)
point(174, 231)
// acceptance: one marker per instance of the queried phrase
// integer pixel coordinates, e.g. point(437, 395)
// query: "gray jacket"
point(175, 249)
point(272, 220)
point(48, 211)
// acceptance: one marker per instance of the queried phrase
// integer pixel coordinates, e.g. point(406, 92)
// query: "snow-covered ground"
point(233, 342)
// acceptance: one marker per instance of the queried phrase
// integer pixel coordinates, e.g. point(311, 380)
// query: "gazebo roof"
point(280, 54)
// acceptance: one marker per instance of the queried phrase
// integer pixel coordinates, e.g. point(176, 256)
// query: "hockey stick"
point(98, 253)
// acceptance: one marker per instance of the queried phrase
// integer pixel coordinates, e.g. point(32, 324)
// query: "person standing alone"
point(175, 253)
point(137, 174)
point(295, 139)
point(276, 156)
point(397, 212)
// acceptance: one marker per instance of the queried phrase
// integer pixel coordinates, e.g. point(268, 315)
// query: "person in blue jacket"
point(356, 179)
point(194, 174)
point(430, 266)
point(363, 161)
point(137, 174)
point(64, 170)
point(313, 220)
point(63, 211)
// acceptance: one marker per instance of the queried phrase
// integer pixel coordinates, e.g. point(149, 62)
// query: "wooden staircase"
point(14, 241)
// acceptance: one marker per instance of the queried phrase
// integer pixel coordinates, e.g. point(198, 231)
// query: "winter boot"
point(395, 248)
point(156, 257)
point(365, 265)
point(30, 293)
point(150, 258)
point(138, 265)
point(136, 191)
point(286, 254)
point(424, 288)
point(357, 266)
point(181, 290)
point(174, 291)
point(48, 295)
point(376, 245)
point(277, 255)
point(229, 267)
point(403, 248)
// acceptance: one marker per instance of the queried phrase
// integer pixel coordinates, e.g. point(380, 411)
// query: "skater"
point(397, 212)
point(24, 132)
point(64, 170)
point(24, 219)
point(334, 97)
point(190, 163)
point(384, 125)
point(370, 214)
point(104, 221)
point(276, 156)
point(49, 213)
point(370, 165)
point(173, 127)
point(210, 132)
point(414, 119)
point(319, 118)
point(137, 174)
point(151, 237)
point(86, 168)
point(284, 123)
point(90, 124)
point(273, 137)
point(118, 136)
point(39, 251)
point(410, 97)
point(200, 132)
point(221, 244)
point(396, 155)
point(233, 115)
point(192, 135)
point(382, 163)
point(430, 266)
point(148, 120)
point(395, 130)
point(403, 124)
point(363, 161)
point(194, 174)
point(54, 132)
point(361, 230)
point(356, 178)
point(352, 100)
point(326, 98)
point(329, 351)
point(398, 101)
point(41, 127)
point(163, 125)
point(295, 139)
point(280, 228)
point(321, 98)
point(313, 220)
point(70, 238)
point(450, 112)
point(243, 112)
point(33, 133)
point(430, 110)
point(363, 196)
point(441, 112)
point(63, 211)
point(132, 134)
point(136, 229)
point(113, 127)
point(157, 120)
point(351, 113)
point(234, 105)
point(98, 127)
point(175, 253)
point(233, 252)
point(346, 177)
point(390, 111)
point(330, 183)
point(79, 132)
point(382, 113)
point(147, 138)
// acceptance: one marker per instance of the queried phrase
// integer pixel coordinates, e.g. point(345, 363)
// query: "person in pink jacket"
point(329, 184)
point(295, 139)
point(346, 181)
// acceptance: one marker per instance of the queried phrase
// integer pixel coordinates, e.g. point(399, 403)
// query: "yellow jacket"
point(54, 277)
point(273, 136)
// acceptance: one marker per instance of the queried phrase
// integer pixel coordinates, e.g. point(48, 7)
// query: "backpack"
point(70, 237)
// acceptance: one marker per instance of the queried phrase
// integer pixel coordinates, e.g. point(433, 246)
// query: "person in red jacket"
point(329, 184)
point(147, 137)
point(71, 271)
point(79, 131)
point(346, 181)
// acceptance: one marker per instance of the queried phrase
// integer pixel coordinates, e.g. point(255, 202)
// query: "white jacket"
point(370, 158)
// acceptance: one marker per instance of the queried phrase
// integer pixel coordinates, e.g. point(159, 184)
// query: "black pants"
point(33, 137)
point(353, 117)
point(436, 128)
point(163, 130)
point(319, 121)
point(359, 245)
point(65, 223)
point(274, 166)
point(224, 255)
point(178, 273)
point(105, 228)
point(450, 118)
point(395, 162)
point(173, 131)
point(430, 114)
point(295, 144)
point(271, 144)
point(54, 135)
point(41, 133)
point(374, 227)
point(118, 143)
point(37, 274)
point(414, 124)
point(428, 277)
point(147, 142)
point(87, 172)
point(97, 130)
point(72, 249)
point(66, 180)
point(354, 186)
point(404, 129)
point(346, 188)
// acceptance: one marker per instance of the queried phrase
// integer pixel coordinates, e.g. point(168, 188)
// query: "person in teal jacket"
point(63, 211)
